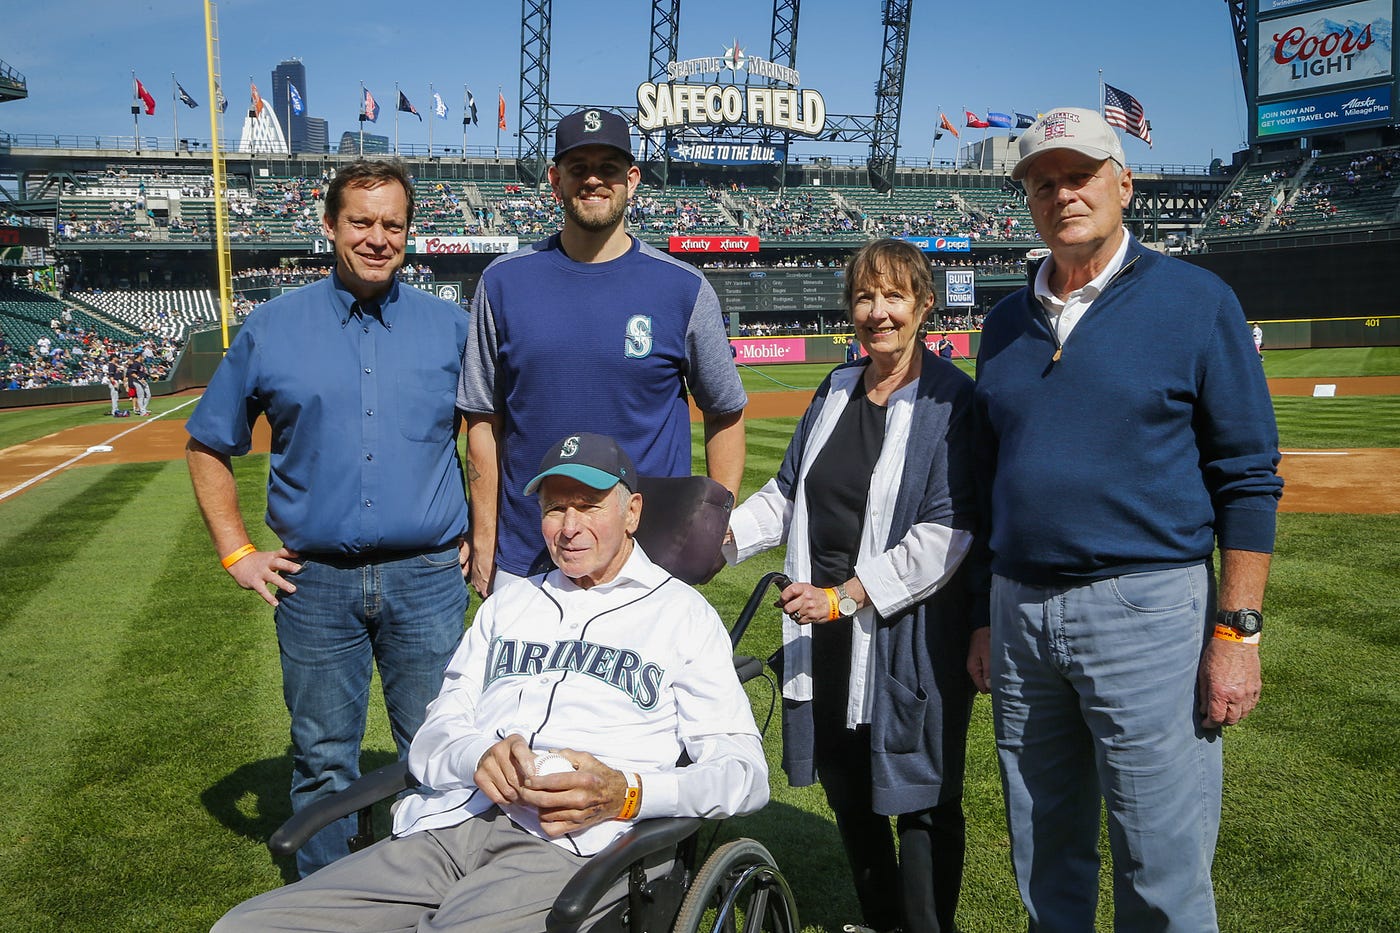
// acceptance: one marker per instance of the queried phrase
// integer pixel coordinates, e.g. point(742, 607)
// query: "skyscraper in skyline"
point(291, 71)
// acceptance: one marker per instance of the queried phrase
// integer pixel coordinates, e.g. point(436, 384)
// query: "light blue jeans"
point(406, 615)
point(1094, 697)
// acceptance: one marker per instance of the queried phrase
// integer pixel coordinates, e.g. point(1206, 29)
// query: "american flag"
point(1122, 109)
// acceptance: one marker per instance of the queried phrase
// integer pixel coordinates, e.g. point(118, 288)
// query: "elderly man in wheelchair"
point(618, 669)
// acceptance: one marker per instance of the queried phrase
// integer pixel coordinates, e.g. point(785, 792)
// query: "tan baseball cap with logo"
point(1075, 128)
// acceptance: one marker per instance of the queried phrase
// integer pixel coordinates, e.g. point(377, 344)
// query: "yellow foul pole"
point(221, 241)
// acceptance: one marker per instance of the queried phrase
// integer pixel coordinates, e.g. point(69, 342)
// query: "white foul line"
point(91, 450)
point(1315, 453)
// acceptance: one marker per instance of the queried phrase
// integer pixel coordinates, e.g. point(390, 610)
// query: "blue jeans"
point(407, 615)
point(1094, 698)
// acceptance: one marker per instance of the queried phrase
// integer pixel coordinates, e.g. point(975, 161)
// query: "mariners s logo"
point(638, 337)
point(592, 121)
point(569, 447)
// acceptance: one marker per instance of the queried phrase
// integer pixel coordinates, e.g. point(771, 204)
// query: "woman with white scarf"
point(876, 502)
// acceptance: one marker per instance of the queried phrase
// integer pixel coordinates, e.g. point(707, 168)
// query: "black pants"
point(918, 889)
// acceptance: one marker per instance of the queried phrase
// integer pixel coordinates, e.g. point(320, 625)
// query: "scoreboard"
point(746, 291)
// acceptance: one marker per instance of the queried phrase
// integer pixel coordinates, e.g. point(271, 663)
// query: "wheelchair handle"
point(750, 609)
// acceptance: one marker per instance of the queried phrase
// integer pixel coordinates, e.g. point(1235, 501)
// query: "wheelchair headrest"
point(683, 523)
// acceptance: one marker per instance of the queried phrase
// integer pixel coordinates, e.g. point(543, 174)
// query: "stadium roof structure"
point(12, 84)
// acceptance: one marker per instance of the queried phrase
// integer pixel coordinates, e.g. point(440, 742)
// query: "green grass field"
point(145, 738)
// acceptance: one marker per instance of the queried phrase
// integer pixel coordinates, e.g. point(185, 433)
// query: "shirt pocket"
point(427, 404)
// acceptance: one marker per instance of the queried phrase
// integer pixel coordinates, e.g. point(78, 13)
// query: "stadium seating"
point(164, 312)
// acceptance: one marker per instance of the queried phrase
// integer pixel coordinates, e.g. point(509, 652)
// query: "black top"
point(838, 485)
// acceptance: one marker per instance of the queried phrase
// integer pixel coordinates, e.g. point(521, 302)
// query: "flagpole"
point(432, 102)
point(466, 115)
point(362, 119)
point(135, 114)
point(1101, 109)
point(175, 112)
point(499, 97)
point(396, 117)
point(289, 117)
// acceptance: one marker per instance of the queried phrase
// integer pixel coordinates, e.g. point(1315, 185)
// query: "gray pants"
point(143, 396)
point(485, 875)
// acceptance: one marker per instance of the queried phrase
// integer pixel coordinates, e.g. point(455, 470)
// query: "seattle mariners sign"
point(668, 104)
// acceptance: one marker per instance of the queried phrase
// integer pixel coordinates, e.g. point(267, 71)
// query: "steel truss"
point(880, 131)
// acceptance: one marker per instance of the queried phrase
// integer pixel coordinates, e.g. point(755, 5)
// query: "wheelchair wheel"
point(738, 890)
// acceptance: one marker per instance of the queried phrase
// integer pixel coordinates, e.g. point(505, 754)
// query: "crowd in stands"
point(78, 357)
point(798, 213)
point(267, 277)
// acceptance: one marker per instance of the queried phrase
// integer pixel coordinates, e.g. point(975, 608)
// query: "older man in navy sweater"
point(1126, 430)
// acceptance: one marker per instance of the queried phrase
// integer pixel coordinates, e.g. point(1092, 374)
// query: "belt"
point(345, 561)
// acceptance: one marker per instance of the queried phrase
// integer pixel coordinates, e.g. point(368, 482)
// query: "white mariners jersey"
point(633, 671)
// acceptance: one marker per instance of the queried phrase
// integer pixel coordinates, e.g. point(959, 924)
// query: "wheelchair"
point(734, 888)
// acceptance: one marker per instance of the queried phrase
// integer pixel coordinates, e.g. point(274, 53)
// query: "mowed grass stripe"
point(174, 712)
point(60, 659)
point(51, 523)
point(1329, 423)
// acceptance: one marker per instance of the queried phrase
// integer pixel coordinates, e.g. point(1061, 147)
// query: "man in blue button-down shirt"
point(357, 376)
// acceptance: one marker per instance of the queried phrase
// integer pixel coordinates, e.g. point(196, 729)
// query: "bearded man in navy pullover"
point(1126, 430)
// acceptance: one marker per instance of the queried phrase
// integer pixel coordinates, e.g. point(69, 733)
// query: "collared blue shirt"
point(362, 405)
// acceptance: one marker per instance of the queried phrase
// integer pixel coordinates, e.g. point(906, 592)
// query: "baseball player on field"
point(604, 671)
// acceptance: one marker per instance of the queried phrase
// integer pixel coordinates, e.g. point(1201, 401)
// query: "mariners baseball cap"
point(592, 459)
point(592, 127)
point(1084, 131)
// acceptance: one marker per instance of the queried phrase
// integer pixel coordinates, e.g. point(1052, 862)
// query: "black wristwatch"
point(1245, 621)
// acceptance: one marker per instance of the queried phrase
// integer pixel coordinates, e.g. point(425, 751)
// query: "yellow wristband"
point(238, 555)
point(632, 802)
point(1225, 633)
point(833, 603)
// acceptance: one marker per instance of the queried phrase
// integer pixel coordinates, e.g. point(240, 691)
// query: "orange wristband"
point(833, 603)
point(238, 555)
point(632, 802)
point(1225, 633)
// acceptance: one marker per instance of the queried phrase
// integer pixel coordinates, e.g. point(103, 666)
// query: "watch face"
point(847, 606)
point(1245, 621)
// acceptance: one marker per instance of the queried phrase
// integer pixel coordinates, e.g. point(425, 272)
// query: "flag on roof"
point(294, 95)
point(185, 98)
point(257, 100)
point(471, 105)
point(1122, 109)
point(501, 110)
point(999, 119)
point(145, 97)
point(439, 108)
point(1024, 120)
point(406, 107)
point(368, 108)
point(947, 124)
point(974, 121)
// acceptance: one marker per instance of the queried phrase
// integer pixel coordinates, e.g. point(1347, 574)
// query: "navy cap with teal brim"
point(592, 459)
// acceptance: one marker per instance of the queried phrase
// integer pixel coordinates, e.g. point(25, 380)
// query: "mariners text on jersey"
point(620, 667)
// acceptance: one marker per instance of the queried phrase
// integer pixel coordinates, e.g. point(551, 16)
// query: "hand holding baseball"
point(568, 800)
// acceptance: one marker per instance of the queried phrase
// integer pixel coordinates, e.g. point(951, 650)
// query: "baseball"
point(551, 763)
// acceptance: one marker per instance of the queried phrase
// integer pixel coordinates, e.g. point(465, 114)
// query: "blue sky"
point(1176, 56)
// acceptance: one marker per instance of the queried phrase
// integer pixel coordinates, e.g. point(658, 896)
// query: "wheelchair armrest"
point(366, 790)
point(584, 889)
